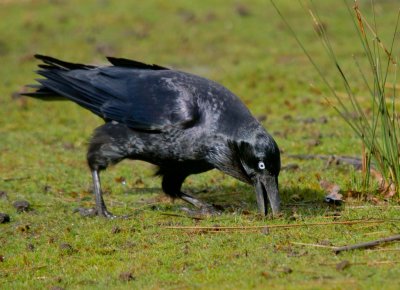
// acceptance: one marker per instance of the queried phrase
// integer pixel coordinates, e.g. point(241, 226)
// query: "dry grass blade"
point(361, 19)
point(314, 245)
point(281, 226)
point(369, 263)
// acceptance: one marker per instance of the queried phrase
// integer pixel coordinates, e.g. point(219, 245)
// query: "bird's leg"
point(104, 149)
point(101, 208)
point(172, 184)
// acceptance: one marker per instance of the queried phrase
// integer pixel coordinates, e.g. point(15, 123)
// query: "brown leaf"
point(332, 190)
point(266, 274)
point(391, 191)
point(121, 180)
point(387, 189)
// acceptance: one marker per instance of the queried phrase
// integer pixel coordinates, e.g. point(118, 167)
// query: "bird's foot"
point(92, 212)
point(105, 213)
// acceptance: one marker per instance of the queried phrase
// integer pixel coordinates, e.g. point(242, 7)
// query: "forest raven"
point(183, 123)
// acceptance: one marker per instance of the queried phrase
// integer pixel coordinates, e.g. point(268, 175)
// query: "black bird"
point(183, 123)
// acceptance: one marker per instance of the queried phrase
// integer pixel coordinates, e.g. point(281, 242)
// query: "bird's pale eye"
point(261, 165)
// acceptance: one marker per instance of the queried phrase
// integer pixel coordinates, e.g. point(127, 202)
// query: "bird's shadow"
point(296, 203)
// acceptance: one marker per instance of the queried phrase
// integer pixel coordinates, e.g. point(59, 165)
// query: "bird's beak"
point(267, 190)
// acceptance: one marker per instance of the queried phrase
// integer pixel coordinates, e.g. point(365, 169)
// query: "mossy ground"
point(242, 45)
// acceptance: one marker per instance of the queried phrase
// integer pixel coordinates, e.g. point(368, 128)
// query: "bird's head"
point(259, 164)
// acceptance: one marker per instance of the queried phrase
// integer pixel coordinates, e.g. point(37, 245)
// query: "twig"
point(314, 245)
point(366, 245)
point(184, 216)
point(208, 228)
point(354, 161)
point(385, 250)
point(372, 263)
point(14, 270)
point(15, 178)
point(369, 206)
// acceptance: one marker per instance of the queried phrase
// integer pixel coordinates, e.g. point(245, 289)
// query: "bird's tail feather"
point(48, 68)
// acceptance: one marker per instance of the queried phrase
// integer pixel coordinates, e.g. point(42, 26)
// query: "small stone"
point(58, 279)
point(287, 118)
point(242, 10)
point(56, 288)
point(2, 258)
point(323, 120)
point(287, 270)
point(314, 142)
point(21, 206)
point(126, 276)
point(66, 248)
point(342, 265)
point(265, 231)
point(116, 230)
point(4, 218)
point(325, 243)
point(309, 120)
point(30, 247)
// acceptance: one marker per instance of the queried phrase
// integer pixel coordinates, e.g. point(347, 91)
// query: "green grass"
point(43, 148)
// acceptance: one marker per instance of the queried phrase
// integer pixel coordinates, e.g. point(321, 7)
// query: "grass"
point(379, 129)
point(244, 46)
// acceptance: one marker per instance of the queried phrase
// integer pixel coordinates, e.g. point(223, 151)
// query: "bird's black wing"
point(144, 97)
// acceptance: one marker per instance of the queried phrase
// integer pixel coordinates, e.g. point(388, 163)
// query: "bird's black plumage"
point(181, 122)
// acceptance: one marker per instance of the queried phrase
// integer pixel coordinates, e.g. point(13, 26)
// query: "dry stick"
point(363, 263)
point(314, 245)
point(367, 244)
point(350, 222)
point(182, 216)
point(369, 206)
point(353, 161)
